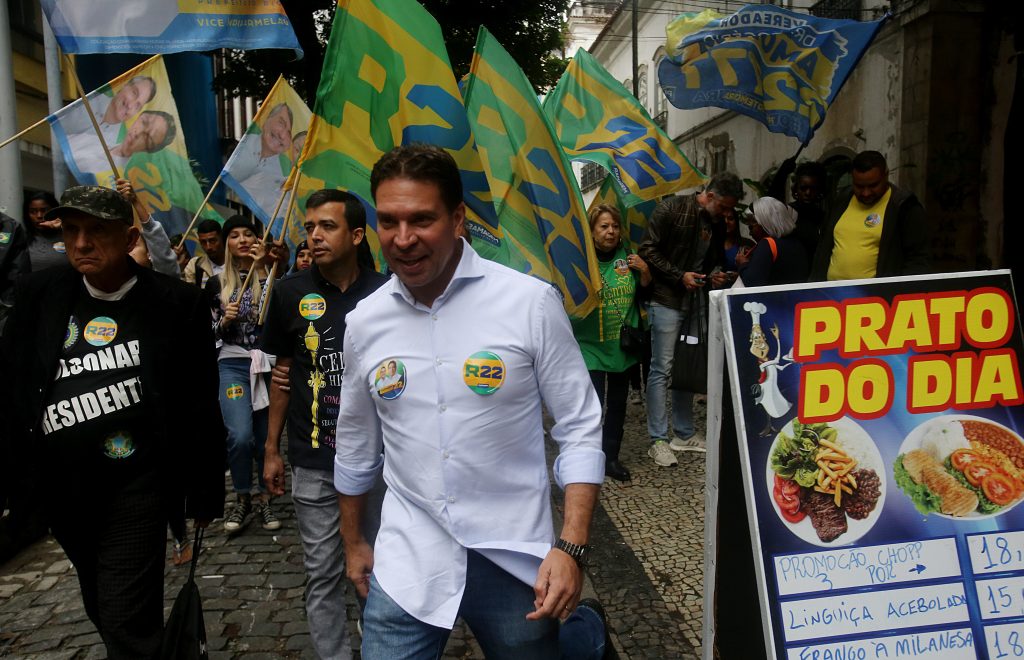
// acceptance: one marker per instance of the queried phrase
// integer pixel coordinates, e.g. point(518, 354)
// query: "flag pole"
point(19, 134)
point(202, 206)
point(92, 117)
point(284, 232)
point(266, 234)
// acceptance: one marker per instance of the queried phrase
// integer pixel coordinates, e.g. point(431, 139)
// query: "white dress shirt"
point(464, 470)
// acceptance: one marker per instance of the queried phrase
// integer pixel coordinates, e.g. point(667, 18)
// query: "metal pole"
point(11, 193)
point(636, 60)
point(55, 101)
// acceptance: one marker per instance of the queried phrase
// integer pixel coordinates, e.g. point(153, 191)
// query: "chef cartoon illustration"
point(766, 391)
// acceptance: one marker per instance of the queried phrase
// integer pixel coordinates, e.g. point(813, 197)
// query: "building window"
point(628, 84)
point(26, 27)
point(659, 102)
point(591, 177)
point(835, 9)
point(641, 74)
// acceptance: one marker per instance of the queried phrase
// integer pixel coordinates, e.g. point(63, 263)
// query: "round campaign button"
point(389, 379)
point(100, 331)
point(59, 247)
point(119, 445)
point(71, 336)
point(234, 391)
point(483, 372)
point(873, 220)
point(312, 306)
point(621, 266)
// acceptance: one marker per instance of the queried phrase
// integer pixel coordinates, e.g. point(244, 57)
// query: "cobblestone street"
point(647, 571)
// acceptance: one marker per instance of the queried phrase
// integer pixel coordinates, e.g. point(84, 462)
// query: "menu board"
point(880, 425)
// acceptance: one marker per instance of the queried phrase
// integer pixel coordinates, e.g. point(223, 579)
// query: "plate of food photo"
point(961, 466)
point(826, 481)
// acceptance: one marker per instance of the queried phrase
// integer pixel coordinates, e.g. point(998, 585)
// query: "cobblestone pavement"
point(647, 572)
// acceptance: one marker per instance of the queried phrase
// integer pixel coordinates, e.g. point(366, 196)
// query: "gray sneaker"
point(694, 443)
point(662, 455)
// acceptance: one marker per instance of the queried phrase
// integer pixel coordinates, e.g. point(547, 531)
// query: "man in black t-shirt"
point(304, 328)
point(98, 347)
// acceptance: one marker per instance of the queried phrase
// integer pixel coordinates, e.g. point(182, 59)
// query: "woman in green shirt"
point(622, 274)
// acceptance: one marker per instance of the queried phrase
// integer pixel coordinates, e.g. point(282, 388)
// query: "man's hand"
point(279, 376)
point(359, 565)
point(279, 253)
point(743, 256)
point(693, 281)
point(273, 471)
point(124, 186)
point(558, 587)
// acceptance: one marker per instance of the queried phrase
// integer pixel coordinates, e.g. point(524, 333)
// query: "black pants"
point(118, 547)
point(614, 405)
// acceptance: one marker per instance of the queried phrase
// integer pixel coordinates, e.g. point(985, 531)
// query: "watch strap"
point(576, 551)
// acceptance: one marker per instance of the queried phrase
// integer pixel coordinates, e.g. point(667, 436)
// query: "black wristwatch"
point(579, 553)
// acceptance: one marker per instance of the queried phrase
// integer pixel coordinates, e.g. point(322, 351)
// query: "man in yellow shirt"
point(882, 230)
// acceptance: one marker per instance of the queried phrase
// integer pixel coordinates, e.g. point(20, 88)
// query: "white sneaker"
point(694, 443)
point(662, 455)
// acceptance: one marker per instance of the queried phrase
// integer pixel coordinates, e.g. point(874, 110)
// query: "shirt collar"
point(320, 280)
point(470, 267)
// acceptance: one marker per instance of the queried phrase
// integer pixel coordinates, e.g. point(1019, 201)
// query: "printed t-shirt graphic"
point(306, 322)
point(94, 411)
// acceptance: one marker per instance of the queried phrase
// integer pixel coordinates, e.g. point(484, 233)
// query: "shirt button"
point(443, 407)
point(451, 500)
point(433, 316)
point(438, 360)
point(446, 454)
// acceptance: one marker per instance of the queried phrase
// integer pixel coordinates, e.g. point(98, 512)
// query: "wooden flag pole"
point(266, 234)
point(202, 206)
point(92, 117)
point(21, 133)
point(284, 232)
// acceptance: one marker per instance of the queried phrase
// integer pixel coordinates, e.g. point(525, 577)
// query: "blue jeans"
point(494, 606)
point(665, 327)
point(247, 429)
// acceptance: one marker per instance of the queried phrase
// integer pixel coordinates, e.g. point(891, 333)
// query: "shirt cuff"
point(578, 466)
point(355, 481)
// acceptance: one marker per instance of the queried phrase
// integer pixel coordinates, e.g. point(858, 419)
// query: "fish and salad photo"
point(961, 466)
point(826, 481)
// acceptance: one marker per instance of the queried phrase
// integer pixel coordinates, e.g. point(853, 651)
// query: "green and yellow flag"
point(387, 81)
point(539, 206)
point(598, 120)
point(634, 218)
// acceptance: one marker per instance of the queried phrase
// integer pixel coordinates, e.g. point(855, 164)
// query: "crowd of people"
point(412, 428)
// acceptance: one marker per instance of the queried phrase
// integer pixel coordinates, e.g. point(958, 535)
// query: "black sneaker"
point(237, 517)
point(267, 517)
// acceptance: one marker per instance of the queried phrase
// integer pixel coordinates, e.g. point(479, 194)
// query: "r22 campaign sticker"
point(483, 372)
point(5, 237)
point(71, 336)
point(59, 247)
point(119, 445)
point(873, 220)
point(100, 331)
point(389, 379)
point(312, 306)
point(234, 391)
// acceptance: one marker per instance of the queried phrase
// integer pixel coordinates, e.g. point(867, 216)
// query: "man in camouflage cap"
point(113, 426)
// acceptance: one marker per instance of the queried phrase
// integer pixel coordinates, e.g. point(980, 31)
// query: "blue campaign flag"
point(780, 67)
point(162, 26)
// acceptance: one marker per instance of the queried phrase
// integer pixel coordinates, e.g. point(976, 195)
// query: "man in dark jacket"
point(13, 264)
point(676, 246)
point(875, 230)
point(112, 422)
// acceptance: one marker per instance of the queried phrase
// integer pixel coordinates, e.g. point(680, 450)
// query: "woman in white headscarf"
point(778, 257)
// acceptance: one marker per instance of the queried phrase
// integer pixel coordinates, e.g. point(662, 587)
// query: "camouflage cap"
point(102, 203)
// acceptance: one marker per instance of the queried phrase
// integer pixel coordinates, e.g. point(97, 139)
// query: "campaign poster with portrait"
point(880, 429)
point(138, 119)
point(263, 159)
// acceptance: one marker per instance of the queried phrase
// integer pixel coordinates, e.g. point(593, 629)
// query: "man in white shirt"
point(466, 525)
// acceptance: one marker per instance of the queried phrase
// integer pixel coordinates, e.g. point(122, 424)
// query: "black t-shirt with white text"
point(93, 419)
point(306, 322)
